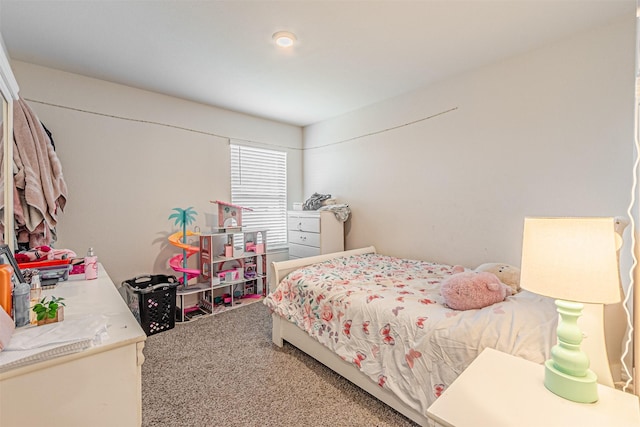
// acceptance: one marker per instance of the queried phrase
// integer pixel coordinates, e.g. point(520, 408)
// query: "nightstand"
point(498, 389)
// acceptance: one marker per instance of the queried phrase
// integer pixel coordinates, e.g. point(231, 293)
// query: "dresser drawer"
point(303, 223)
point(302, 238)
point(302, 251)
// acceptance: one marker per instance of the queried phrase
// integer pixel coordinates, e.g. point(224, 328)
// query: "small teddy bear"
point(469, 290)
point(507, 274)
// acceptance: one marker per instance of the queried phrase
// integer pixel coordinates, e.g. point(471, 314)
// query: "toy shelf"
point(221, 308)
point(236, 257)
point(192, 289)
point(233, 265)
point(238, 282)
point(185, 313)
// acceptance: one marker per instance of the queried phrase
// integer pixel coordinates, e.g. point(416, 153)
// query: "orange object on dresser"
point(6, 288)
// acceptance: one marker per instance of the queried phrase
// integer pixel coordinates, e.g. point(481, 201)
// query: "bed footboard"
point(276, 330)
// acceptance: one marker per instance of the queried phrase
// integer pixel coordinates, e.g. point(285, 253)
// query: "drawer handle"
point(299, 226)
point(303, 238)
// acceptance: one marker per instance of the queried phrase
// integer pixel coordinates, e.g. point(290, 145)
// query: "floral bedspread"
point(386, 316)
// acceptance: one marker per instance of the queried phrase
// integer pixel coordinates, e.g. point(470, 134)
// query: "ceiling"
point(349, 54)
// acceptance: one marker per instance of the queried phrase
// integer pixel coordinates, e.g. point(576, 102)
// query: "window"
point(259, 182)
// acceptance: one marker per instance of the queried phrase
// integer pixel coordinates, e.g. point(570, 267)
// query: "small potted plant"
point(49, 311)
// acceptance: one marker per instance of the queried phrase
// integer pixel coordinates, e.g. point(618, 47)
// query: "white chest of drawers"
point(99, 386)
point(314, 233)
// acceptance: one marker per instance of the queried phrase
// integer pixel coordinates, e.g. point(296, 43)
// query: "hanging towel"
point(39, 183)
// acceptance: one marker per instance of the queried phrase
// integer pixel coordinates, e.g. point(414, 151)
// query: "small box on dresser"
point(313, 233)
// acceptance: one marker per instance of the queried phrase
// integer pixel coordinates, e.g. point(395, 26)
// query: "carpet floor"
point(223, 370)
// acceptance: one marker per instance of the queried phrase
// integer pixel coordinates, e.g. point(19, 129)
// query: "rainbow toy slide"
point(183, 217)
point(177, 262)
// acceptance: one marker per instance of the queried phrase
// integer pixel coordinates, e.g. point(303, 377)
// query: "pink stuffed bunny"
point(470, 290)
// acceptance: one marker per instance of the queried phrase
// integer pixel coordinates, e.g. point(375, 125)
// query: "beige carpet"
point(223, 370)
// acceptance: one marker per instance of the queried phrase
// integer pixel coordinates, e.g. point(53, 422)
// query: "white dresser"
point(99, 386)
point(314, 233)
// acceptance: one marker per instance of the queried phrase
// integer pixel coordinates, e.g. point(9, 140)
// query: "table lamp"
point(573, 260)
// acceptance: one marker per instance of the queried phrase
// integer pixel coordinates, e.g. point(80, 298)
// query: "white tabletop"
point(498, 389)
point(84, 297)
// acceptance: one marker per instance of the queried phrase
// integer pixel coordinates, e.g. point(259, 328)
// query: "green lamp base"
point(577, 389)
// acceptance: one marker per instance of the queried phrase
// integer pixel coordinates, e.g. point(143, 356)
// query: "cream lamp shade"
point(573, 259)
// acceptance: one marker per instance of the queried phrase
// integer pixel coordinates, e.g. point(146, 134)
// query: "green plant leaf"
point(48, 309)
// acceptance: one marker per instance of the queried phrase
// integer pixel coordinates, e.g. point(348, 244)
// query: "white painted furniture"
point(314, 233)
point(498, 389)
point(100, 386)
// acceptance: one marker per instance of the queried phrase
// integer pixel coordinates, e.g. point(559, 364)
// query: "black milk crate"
point(152, 300)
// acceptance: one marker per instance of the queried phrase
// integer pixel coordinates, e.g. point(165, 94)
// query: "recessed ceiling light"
point(284, 38)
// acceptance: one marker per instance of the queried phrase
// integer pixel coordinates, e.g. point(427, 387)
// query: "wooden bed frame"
point(592, 323)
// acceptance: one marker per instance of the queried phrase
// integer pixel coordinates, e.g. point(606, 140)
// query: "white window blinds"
point(259, 182)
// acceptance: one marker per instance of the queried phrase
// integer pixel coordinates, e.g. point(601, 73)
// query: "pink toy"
point(176, 261)
point(229, 275)
point(470, 290)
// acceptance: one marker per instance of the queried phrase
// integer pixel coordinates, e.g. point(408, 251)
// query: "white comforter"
point(386, 316)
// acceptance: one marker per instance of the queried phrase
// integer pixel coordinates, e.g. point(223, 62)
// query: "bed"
point(381, 322)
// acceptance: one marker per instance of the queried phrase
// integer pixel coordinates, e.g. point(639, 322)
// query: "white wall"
point(547, 133)
point(130, 156)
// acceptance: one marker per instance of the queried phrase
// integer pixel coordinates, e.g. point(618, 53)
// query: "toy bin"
point(152, 300)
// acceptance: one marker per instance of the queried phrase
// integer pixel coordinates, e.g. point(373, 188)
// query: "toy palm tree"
point(183, 218)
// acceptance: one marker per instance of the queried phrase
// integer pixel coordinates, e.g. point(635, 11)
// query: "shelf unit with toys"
point(186, 313)
point(233, 265)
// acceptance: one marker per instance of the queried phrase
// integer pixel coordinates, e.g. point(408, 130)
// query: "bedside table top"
point(498, 389)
